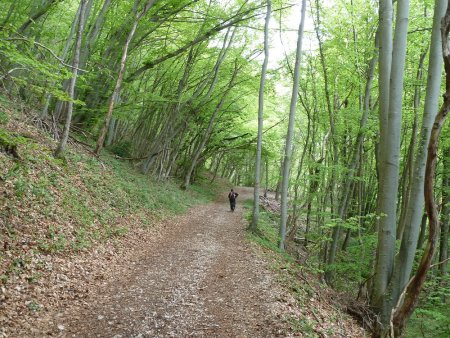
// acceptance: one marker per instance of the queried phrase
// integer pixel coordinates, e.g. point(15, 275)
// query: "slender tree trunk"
point(290, 133)
point(414, 211)
point(255, 215)
point(409, 166)
point(118, 86)
point(391, 89)
point(76, 59)
point(111, 132)
point(411, 294)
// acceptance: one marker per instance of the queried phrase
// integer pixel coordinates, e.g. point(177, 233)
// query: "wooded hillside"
point(347, 127)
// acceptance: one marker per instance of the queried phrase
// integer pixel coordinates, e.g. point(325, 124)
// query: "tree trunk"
point(290, 133)
point(411, 294)
point(255, 215)
point(76, 59)
point(391, 90)
point(118, 86)
point(407, 179)
point(414, 210)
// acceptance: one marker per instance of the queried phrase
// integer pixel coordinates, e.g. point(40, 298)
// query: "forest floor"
point(92, 248)
point(198, 276)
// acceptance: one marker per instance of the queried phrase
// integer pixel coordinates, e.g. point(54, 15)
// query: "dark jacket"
point(232, 196)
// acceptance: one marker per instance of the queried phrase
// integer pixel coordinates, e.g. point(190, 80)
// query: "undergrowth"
point(429, 320)
point(290, 274)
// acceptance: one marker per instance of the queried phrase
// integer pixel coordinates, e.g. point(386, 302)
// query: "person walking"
point(232, 198)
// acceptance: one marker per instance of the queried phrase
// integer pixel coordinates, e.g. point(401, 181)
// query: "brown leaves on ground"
point(191, 275)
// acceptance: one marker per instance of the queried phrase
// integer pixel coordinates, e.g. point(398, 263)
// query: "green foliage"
point(3, 118)
point(33, 306)
point(28, 66)
point(430, 319)
point(122, 149)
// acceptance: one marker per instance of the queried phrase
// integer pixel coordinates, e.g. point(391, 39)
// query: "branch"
point(150, 64)
point(12, 70)
point(49, 50)
point(444, 261)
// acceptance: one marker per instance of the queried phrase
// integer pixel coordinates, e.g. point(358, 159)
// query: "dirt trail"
point(201, 278)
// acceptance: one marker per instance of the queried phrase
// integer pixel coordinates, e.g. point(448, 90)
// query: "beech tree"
point(255, 215)
point(71, 90)
point(290, 132)
point(177, 88)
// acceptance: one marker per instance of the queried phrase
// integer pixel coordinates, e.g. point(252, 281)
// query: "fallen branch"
point(130, 158)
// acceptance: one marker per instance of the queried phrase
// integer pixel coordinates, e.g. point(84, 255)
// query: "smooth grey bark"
point(111, 132)
point(290, 132)
point(118, 85)
point(386, 198)
point(255, 216)
point(411, 294)
point(94, 33)
point(71, 91)
point(407, 175)
point(390, 121)
point(405, 258)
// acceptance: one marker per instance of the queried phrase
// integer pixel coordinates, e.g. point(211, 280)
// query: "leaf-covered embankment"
point(64, 222)
point(311, 308)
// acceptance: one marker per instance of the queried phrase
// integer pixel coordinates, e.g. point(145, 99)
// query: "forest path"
point(200, 278)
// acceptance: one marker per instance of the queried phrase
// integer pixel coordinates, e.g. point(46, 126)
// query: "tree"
point(71, 90)
point(412, 291)
point(391, 90)
point(290, 132)
point(262, 83)
point(116, 91)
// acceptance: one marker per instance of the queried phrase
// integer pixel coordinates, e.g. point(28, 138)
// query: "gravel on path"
point(200, 278)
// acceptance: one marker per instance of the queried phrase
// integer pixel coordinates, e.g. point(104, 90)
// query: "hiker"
point(232, 197)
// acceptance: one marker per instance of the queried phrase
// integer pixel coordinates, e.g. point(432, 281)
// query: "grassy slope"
point(52, 211)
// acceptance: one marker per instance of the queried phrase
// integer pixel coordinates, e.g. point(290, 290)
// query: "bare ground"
point(197, 276)
point(200, 278)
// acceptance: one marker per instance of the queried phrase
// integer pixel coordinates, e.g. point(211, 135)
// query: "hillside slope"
point(63, 223)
